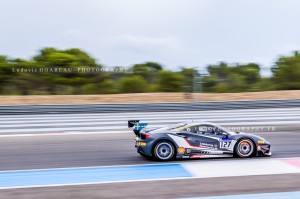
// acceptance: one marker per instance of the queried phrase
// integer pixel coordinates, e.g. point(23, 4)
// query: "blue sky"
point(191, 33)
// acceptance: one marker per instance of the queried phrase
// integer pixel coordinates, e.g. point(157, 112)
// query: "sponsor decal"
point(185, 156)
point(260, 142)
point(139, 126)
point(141, 144)
point(225, 139)
point(181, 150)
point(206, 144)
point(225, 145)
point(196, 156)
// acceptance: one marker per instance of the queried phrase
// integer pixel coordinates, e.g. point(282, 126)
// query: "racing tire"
point(244, 148)
point(164, 151)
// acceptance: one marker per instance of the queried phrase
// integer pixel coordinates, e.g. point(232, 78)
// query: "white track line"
point(203, 169)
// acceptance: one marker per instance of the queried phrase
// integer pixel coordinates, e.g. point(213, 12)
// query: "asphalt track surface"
point(71, 150)
point(58, 151)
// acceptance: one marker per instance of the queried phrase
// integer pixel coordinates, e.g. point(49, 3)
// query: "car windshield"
point(175, 126)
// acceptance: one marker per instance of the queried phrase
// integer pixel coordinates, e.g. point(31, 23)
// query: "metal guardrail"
point(147, 107)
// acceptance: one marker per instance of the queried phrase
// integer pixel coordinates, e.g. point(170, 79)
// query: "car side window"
point(190, 129)
point(210, 129)
point(205, 129)
point(200, 129)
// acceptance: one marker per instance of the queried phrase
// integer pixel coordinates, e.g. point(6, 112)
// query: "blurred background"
point(162, 46)
point(73, 72)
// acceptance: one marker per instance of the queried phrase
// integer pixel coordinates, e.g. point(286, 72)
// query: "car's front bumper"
point(264, 149)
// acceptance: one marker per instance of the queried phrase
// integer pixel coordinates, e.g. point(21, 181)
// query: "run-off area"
point(149, 172)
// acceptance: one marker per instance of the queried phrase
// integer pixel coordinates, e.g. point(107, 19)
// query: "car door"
point(221, 139)
point(201, 136)
point(188, 134)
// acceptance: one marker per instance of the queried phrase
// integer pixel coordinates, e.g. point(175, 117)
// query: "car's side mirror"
point(224, 134)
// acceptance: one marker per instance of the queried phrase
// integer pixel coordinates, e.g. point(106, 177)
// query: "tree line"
point(73, 71)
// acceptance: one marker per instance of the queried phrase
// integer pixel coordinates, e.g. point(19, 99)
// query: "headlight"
point(260, 141)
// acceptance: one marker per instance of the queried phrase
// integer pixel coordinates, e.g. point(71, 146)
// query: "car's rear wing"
point(131, 123)
point(137, 126)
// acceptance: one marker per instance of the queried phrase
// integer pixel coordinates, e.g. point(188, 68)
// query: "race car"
point(196, 140)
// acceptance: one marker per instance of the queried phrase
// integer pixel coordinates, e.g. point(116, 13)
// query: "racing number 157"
point(225, 144)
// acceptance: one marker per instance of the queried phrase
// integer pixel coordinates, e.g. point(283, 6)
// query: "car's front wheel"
point(164, 150)
point(244, 148)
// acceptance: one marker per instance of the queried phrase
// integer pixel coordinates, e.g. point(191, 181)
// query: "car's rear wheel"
point(244, 148)
point(164, 151)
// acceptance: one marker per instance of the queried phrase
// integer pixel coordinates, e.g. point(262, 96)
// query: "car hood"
point(251, 135)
